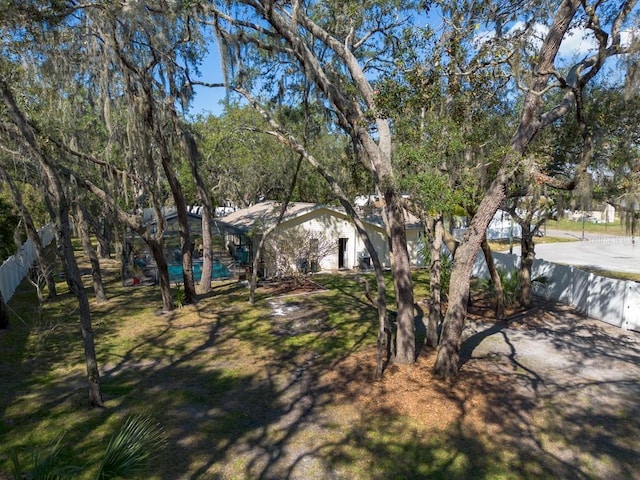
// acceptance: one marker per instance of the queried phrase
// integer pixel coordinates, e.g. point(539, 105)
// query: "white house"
point(244, 229)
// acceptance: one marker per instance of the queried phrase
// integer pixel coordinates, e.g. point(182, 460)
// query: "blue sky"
point(577, 44)
point(207, 100)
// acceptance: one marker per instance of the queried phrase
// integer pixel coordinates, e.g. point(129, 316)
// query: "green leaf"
point(131, 450)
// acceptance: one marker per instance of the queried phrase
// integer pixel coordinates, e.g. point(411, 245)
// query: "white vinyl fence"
point(16, 267)
point(616, 302)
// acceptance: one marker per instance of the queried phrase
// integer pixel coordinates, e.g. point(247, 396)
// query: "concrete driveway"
point(606, 252)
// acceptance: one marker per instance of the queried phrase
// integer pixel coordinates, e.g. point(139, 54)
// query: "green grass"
point(635, 277)
point(616, 228)
point(503, 245)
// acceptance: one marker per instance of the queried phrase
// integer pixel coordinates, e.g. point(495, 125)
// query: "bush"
point(510, 286)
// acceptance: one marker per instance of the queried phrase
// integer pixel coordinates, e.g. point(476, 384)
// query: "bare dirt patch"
point(290, 287)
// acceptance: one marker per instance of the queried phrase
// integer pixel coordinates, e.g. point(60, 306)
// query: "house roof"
point(265, 214)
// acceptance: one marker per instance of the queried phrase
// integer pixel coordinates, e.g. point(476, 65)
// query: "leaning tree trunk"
point(104, 237)
point(376, 152)
point(32, 234)
point(89, 251)
point(447, 361)
point(155, 244)
point(263, 239)
point(154, 123)
point(495, 279)
point(102, 230)
point(157, 250)
point(75, 282)
point(69, 261)
point(384, 328)
point(384, 340)
point(207, 254)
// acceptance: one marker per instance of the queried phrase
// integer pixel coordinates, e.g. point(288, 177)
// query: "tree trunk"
point(157, 250)
point(265, 234)
point(450, 241)
point(402, 282)
point(527, 256)
point(495, 279)
point(385, 332)
point(436, 231)
point(384, 328)
point(75, 282)
point(104, 239)
point(207, 257)
point(32, 234)
point(102, 230)
point(384, 339)
point(155, 123)
point(447, 361)
point(185, 236)
point(69, 261)
point(376, 151)
point(155, 243)
point(89, 251)
point(193, 157)
point(257, 256)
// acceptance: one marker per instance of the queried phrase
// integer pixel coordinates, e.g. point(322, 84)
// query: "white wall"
point(335, 225)
point(332, 227)
point(616, 302)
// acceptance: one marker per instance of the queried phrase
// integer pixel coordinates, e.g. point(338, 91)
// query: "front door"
point(342, 252)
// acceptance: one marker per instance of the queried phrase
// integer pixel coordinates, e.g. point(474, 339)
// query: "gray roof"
point(264, 214)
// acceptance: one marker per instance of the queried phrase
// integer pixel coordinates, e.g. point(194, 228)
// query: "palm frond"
point(131, 450)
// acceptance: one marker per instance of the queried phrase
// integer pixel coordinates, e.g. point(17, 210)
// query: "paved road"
point(608, 252)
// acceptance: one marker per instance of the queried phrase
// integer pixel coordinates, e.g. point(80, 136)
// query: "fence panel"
point(12, 272)
point(580, 290)
point(555, 281)
point(632, 306)
point(14, 269)
point(508, 262)
point(606, 300)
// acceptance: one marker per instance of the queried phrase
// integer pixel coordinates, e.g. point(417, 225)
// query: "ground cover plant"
point(284, 389)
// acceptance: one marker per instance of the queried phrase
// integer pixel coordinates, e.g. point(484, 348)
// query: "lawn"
point(616, 228)
point(244, 394)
